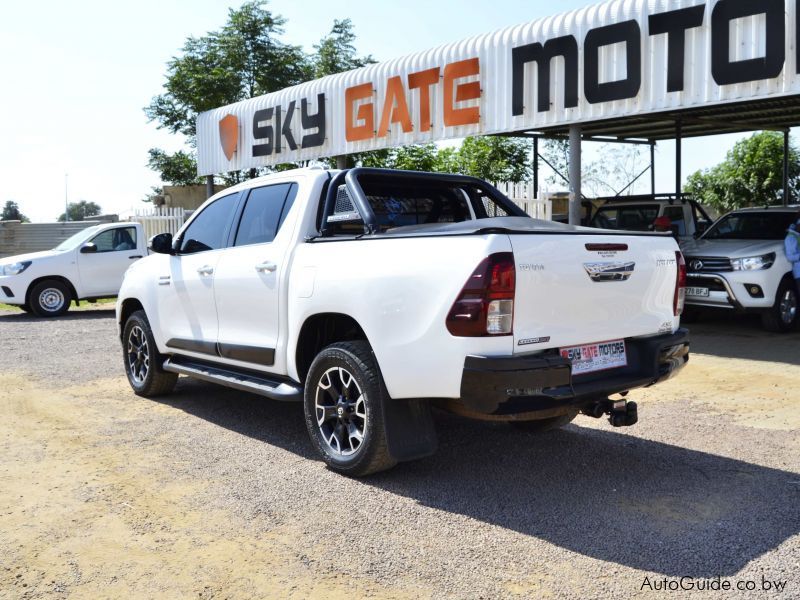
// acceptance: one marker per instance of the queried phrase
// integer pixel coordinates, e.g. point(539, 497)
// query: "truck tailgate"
point(575, 289)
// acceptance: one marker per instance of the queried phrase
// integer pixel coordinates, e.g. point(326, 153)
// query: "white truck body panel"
point(399, 290)
point(557, 299)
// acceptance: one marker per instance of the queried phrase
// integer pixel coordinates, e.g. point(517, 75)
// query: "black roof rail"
point(671, 198)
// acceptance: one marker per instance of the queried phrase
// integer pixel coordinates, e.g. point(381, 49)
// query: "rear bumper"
point(544, 386)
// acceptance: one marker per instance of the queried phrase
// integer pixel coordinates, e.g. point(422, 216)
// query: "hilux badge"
point(609, 271)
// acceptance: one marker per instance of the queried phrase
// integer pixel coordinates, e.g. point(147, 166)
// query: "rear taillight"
point(680, 286)
point(485, 305)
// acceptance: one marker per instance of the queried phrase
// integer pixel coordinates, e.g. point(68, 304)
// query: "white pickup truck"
point(87, 266)
point(740, 264)
point(372, 295)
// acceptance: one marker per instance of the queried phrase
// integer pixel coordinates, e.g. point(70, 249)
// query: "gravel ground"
point(706, 485)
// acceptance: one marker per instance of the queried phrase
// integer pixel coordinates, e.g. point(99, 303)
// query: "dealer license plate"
point(589, 358)
point(697, 291)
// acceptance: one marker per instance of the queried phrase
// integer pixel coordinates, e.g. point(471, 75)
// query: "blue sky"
point(76, 75)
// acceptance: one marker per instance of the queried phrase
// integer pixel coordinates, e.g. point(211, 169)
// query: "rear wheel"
point(344, 399)
point(50, 298)
point(142, 360)
point(782, 317)
point(542, 425)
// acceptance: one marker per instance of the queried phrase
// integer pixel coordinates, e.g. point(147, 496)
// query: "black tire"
point(783, 316)
point(542, 425)
point(49, 298)
point(26, 308)
point(353, 379)
point(142, 360)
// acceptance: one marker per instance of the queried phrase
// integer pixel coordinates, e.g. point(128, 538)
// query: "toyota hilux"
point(372, 295)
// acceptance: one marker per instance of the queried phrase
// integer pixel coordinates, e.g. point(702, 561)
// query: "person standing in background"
point(792, 247)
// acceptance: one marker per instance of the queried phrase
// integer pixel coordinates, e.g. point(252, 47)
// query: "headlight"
point(753, 263)
point(14, 268)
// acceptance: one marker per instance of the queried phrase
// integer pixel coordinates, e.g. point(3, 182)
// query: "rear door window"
point(627, 218)
point(264, 213)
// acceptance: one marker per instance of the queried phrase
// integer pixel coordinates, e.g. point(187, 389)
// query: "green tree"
point(556, 152)
point(11, 212)
point(179, 168)
point(80, 211)
point(494, 158)
point(750, 175)
point(336, 52)
point(244, 59)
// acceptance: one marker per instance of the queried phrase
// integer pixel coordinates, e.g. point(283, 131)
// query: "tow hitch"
point(621, 413)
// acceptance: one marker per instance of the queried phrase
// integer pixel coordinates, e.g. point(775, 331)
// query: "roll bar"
point(350, 177)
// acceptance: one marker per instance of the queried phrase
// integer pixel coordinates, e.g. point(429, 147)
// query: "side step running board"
point(277, 390)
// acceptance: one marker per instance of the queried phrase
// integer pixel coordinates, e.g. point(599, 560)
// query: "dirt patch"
point(89, 517)
point(755, 393)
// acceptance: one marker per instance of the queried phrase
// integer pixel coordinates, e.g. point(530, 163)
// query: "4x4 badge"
point(610, 271)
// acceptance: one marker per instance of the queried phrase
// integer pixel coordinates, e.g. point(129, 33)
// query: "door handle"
point(135, 256)
point(206, 270)
point(266, 267)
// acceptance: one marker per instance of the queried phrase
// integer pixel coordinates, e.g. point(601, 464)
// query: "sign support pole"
point(786, 168)
point(209, 186)
point(535, 158)
point(652, 167)
point(575, 175)
point(678, 157)
point(341, 162)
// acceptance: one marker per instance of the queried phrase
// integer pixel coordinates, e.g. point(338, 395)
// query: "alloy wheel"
point(788, 307)
point(138, 355)
point(341, 411)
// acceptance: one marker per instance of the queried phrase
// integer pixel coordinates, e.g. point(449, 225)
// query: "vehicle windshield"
point(74, 240)
point(761, 225)
point(636, 217)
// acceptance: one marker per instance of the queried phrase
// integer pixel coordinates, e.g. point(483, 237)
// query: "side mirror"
point(88, 248)
point(161, 243)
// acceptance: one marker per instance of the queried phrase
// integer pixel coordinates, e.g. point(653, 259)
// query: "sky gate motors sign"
point(618, 58)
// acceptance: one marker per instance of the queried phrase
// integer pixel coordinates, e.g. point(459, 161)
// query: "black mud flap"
point(410, 432)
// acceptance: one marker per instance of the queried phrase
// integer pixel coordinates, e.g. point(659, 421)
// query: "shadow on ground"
point(72, 315)
point(600, 493)
point(728, 335)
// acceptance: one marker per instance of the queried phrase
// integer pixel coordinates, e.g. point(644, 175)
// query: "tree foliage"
point(336, 52)
point(179, 168)
point(11, 212)
point(750, 175)
point(80, 211)
point(615, 167)
point(495, 159)
point(244, 59)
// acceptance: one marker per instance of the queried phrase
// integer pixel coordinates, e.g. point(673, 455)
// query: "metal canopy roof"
point(764, 114)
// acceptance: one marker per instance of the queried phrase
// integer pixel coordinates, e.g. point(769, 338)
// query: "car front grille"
point(708, 264)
